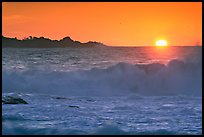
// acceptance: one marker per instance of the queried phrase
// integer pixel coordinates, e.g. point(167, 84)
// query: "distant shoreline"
point(67, 42)
point(41, 42)
point(99, 47)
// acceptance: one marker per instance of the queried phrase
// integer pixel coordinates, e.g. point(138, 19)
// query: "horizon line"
point(101, 42)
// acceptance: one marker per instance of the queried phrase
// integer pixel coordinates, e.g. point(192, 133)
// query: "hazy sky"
point(112, 23)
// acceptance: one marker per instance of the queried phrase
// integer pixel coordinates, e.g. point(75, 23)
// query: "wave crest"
point(177, 77)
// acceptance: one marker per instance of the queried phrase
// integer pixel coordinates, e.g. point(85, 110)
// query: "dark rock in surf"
point(13, 100)
point(73, 106)
point(59, 98)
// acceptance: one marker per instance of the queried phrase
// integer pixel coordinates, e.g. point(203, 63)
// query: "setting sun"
point(103, 67)
point(161, 43)
point(130, 22)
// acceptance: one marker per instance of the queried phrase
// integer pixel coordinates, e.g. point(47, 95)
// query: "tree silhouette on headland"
point(41, 42)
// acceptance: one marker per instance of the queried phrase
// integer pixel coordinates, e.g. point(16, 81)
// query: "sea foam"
point(175, 78)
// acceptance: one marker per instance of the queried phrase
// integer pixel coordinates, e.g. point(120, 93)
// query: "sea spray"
point(177, 77)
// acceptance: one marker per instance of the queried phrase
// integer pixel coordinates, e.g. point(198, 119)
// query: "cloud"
point(15, 19)
point(12, 17)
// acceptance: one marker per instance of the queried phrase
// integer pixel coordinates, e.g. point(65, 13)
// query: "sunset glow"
point(161, 43)
point(112, 23)
point(102, 68)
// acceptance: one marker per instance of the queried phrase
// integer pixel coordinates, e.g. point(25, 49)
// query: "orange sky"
point(112, 23)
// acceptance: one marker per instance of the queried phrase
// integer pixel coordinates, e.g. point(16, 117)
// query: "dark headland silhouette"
point(41, 42)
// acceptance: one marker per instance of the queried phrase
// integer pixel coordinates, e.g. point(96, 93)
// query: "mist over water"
point(72, 59)
point(93, 72)
point(103, 90)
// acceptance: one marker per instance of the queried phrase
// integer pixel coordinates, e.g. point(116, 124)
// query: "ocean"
point(103, 90)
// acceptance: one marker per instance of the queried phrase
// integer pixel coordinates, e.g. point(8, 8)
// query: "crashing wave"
point(175, 78)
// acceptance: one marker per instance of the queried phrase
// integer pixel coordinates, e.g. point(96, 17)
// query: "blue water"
point(103, 90)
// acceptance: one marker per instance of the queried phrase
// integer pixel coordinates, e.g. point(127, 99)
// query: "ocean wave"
point(40, 131)
point(175, 78)
point(104, 130)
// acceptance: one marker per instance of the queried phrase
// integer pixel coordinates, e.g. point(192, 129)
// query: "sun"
point(161, 43)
